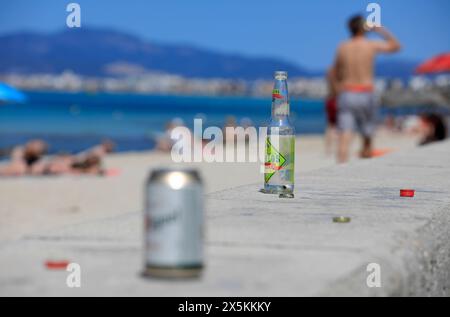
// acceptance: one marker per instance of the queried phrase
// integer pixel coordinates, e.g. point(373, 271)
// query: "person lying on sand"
point(69, 164)
point(100, 151)
point(434, 128)
point(87, 162)
point(24, 157)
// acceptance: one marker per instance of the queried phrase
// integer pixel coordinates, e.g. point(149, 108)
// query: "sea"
point(72, 122)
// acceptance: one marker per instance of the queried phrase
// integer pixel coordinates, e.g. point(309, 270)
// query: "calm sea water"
point(72, 122)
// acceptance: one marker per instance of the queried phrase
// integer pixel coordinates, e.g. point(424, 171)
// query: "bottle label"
point(277, 94)
point(279, 162)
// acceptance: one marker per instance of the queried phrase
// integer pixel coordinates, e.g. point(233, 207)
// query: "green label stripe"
point(275, 161)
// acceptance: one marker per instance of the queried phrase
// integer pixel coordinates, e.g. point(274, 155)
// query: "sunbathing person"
point(68, 164)
point(434, 128)
point(100, 151)
point(30, 161)
point(24, 158)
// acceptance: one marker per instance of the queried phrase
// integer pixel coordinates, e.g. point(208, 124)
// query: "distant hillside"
point(102, 52)
point(95, 52)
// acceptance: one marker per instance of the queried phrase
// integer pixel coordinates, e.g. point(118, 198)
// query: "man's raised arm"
point(390, 43)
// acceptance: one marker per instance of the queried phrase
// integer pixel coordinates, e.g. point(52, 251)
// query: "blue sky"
point(303, 31)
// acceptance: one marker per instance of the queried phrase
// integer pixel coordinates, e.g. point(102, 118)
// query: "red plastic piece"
point(56, 265)
point(407, 192)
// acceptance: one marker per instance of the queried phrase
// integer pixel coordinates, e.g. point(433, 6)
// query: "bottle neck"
point(280, 99)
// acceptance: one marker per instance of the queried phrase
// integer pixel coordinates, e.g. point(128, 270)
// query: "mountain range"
point(105, 52)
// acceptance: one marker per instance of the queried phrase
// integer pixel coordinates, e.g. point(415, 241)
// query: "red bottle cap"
point(56, 265)
point(407, 192)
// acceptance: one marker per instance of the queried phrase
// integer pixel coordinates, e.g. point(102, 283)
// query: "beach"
point(255, 244)
point(168, 150)
point(32, 205)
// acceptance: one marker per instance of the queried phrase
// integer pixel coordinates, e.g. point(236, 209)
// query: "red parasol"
point(437, 64)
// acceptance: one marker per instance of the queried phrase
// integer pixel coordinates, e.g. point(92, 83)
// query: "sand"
point(30, 205)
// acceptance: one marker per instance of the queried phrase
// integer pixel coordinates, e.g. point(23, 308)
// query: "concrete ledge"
point(409, 238)
point(259, 245)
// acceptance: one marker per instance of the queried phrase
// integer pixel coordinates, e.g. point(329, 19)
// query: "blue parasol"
point(10, 95)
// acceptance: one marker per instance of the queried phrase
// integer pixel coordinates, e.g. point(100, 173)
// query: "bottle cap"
point(56, 265)
point(407, 192)
point(282, 74)
point(342, 219)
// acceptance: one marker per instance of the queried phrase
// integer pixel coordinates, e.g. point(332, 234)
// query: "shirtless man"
point(353, 75)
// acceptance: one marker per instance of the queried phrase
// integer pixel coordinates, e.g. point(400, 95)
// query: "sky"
point(305, 32)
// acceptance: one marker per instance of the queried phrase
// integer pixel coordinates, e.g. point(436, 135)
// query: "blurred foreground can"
point(173, 224)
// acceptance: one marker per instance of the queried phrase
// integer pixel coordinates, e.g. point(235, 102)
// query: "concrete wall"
point(260, 245)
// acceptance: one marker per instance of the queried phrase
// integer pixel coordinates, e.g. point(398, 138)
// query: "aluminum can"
point(174, 223)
